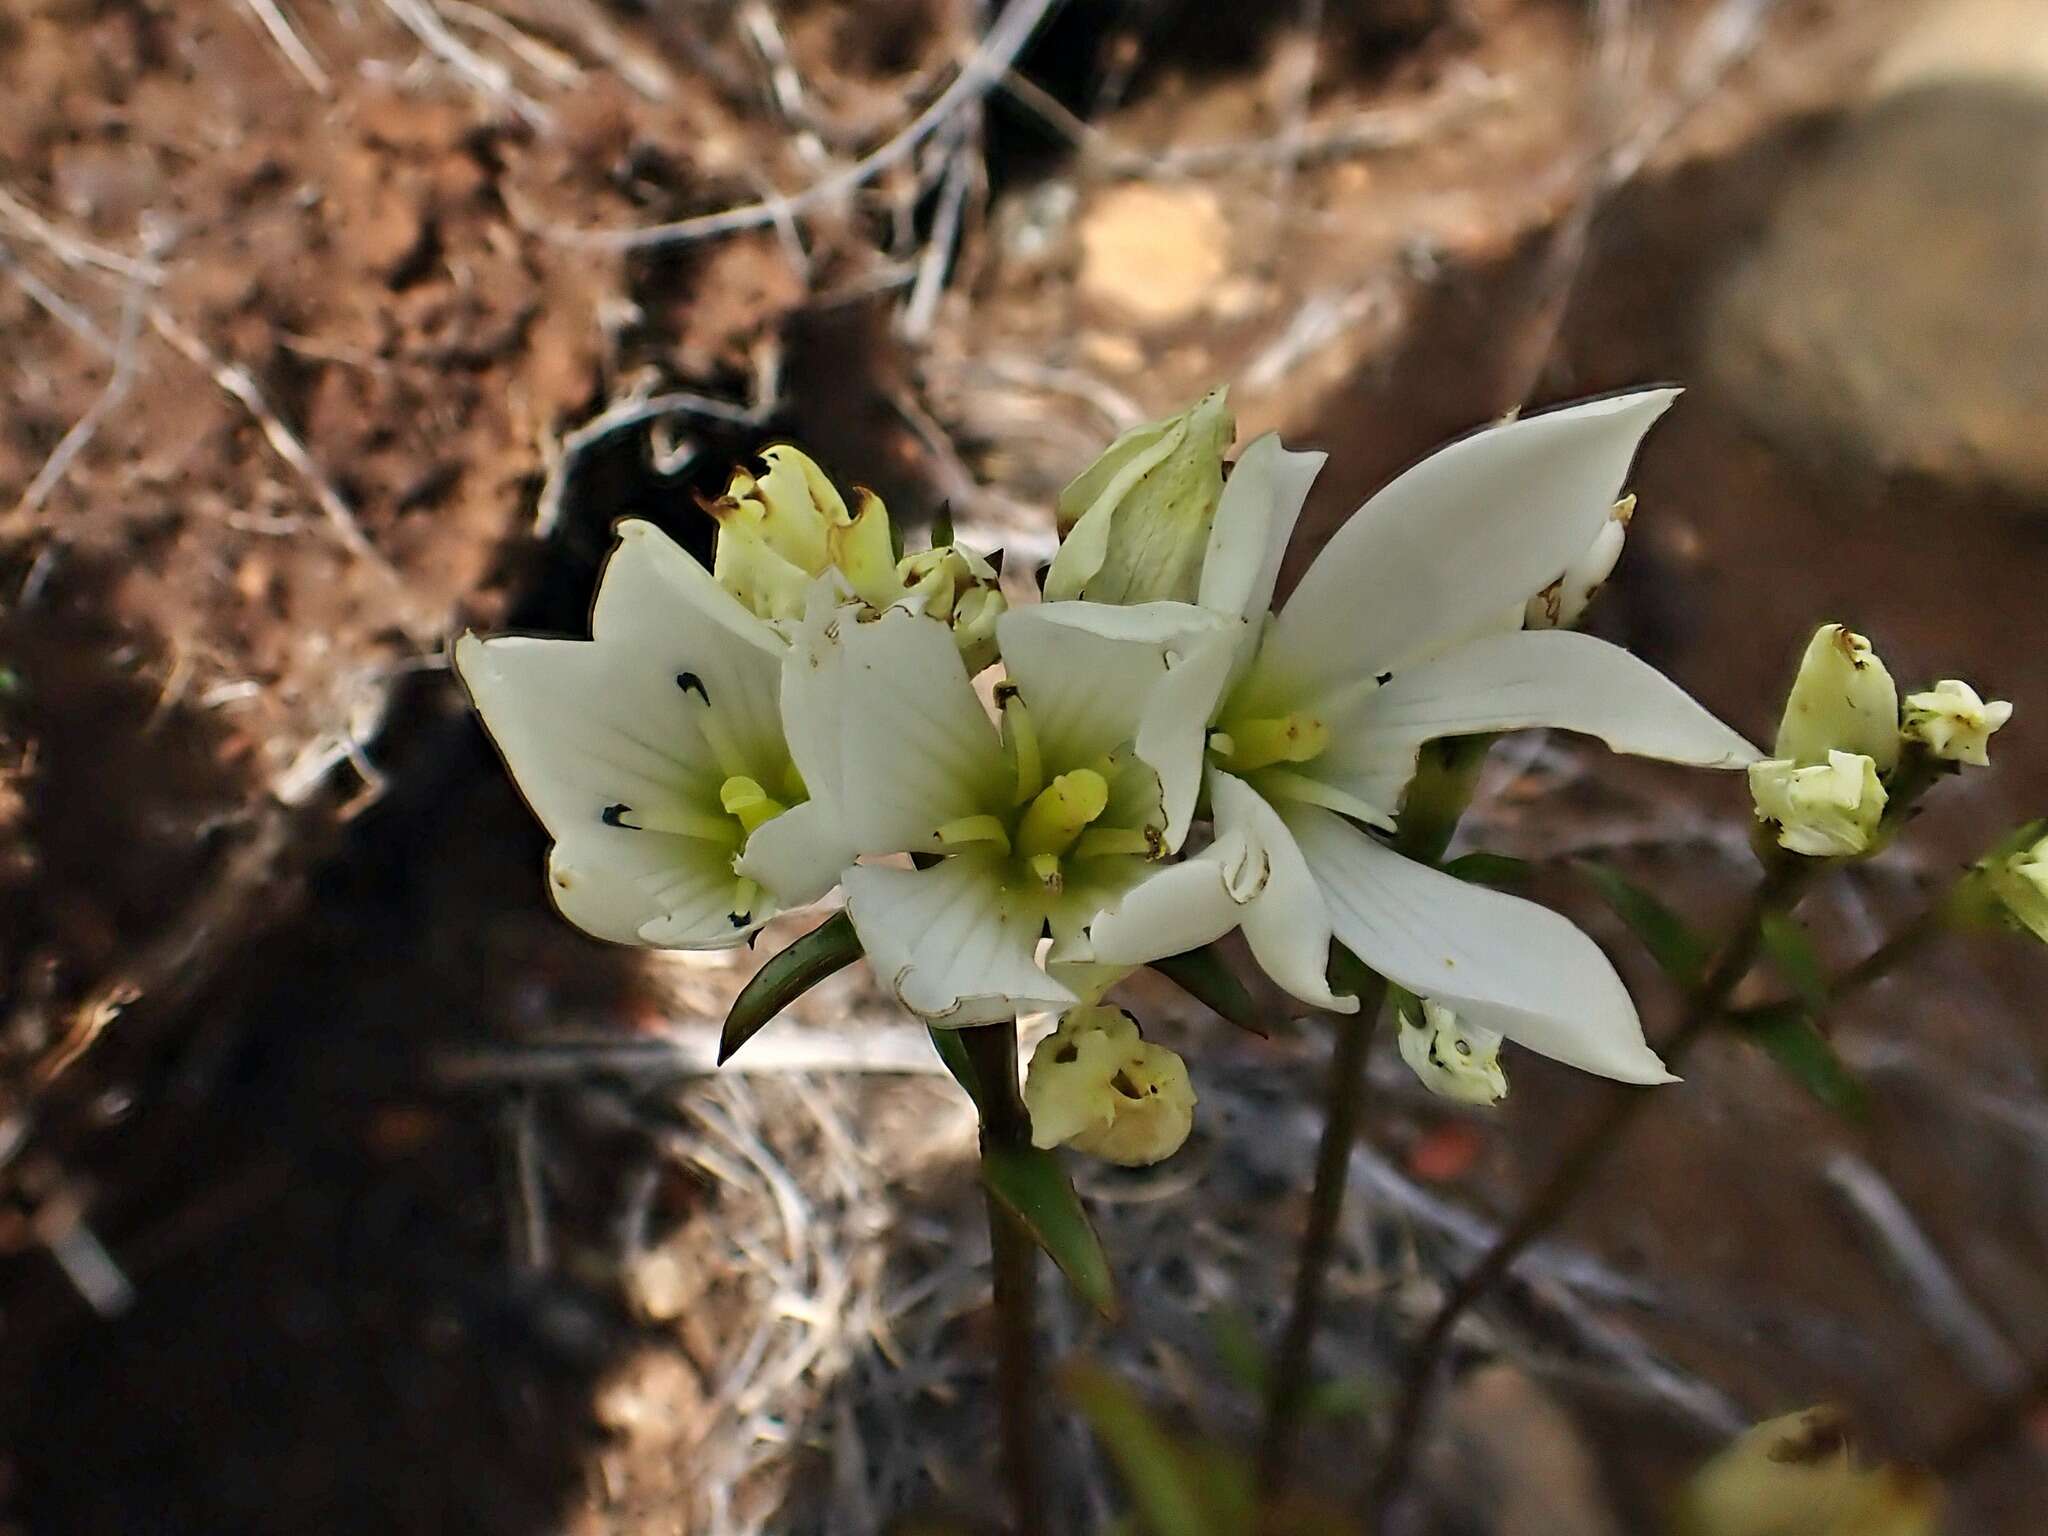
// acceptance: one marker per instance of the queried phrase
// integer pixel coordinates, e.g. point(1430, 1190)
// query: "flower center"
point(1246, 744)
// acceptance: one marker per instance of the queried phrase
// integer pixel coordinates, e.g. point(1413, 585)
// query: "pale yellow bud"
point(1454, 1060)
point(1825, 810)
point(1795, 1476)
point(1953, 723)
point(2020, 882)
point(1134, 525)
point(1563, 603)
point(960, 589)
point(1096, 1086)
point(774, 531)
point(1843, 700)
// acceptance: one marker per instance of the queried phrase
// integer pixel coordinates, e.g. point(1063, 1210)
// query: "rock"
point(1893, 312)
point(1153, 254)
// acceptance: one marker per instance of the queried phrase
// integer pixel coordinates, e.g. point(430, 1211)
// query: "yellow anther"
point(1022, 739)
point(1047, 867)
point(749, 802)
point(975, 829)
point(1250, 744)
point(1104, 842)
point(1059, 812)
point(744, 894)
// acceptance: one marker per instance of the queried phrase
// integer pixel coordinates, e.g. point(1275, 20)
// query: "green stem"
point(1292, 1373)
point(1446, 775)
point(1013, 1256)
point(1784, 881)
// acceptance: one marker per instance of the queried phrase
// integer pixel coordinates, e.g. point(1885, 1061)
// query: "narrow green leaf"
point(1154, 1468)
point(1494, 869)
point(1206, 977)
point(1682, 953)
point(942, 525)
point(1238, 1349)
point(1033, 1186)
point(1787, 1032)
point(1792, 952)
point(788, 975)
point(953, 1052)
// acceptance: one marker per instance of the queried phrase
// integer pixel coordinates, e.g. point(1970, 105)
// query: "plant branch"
point(1784, 882)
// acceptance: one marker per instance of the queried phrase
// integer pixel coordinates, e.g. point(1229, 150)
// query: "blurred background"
point(344, 1188)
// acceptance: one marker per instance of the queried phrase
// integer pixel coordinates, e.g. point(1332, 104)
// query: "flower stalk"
point(1013, 1257)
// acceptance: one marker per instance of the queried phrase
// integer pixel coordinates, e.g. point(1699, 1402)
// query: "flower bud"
point(774, 531)
point(1563, 603)
point(1454, 1060)
point(2018, 879)
point(1096, 1086)
point(1795, 1476)
point(1134, 525)
point(1953, 723)
point(1842, 701)
point(1824, 810)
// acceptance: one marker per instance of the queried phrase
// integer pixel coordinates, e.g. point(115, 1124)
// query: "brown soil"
point(265, 896)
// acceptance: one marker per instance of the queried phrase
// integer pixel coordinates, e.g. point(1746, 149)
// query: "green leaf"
point(1494, 869)
point(1682, 953)
point(1033, 1186)
point(1204, 976)
point(1350, 976)
point(1238, 1349)
point(953, 1052)
point(942, 525)
point(1158, 1473)
point(1787, 1032)
point(1792, 952)
point(788, 975)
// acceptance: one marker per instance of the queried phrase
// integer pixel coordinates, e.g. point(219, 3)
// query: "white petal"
point(813, 690)
point(797, 856)
point(1288, 924)
point(648, 888)
point(1470, 531)
point(1096, 677)
point(953, 942)
point(1504, 682)
point(917, 747)
point(1500, 962)
point(656, 603)
point(1254, 520)
point(584, 726)
point(1179, 907)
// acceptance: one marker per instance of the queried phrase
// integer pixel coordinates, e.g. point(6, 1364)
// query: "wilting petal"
point(1255, 519)
point(952, 942)
point(1470, 531)
point(1097, 677)
point(648, 888)
point(1504, 682)
point(1502, 963)
point(1178, 907)
point(917, 747)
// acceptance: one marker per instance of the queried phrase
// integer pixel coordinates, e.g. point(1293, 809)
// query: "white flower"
point(1096, 1086)
point(1953, 723)
point(780, 531)
point(2020, 882)
point(1563, 603)
point(654, 756)
point(1134, 524)
point(1453, 1061)
point(1827, 810)
point(1026, 830)
point(1406, 629)
point(1839, 732)
point(1843, 700)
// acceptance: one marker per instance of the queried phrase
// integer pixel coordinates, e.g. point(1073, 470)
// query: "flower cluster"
point(1166, 757)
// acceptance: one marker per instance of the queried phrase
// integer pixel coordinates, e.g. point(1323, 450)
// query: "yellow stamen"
point(748, 801)
point(1251, 744)
point(730, 762)
point(1023, 744)
point(975, 829)
point(681, 822)
point(1047, 867)
point(1059, 812)
point(1105, 842)
point(744, 894)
